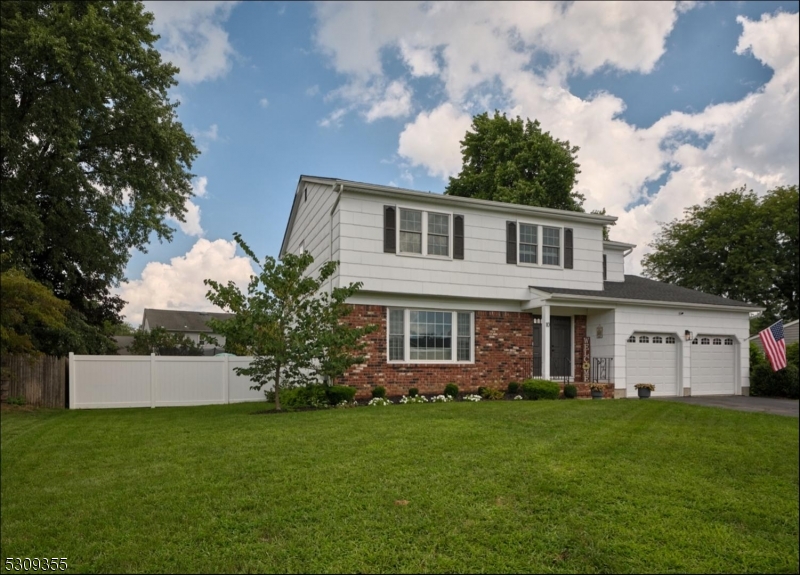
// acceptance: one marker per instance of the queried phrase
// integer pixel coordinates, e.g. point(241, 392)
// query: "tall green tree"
point(511, 160)
point(735, 245)
point(93, 157)
point(285, 320)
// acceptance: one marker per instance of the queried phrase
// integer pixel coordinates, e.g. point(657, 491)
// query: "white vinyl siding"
point(430, 336)
point(482, 274)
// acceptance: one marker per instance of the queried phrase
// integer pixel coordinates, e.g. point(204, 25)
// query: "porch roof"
point(643, 289)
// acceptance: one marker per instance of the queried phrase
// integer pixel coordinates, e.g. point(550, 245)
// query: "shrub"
point(490, 393)
point(20, 400)
point(379, 391)
point(540, 389)
point(793, 354)
point(337, 394)
point(570, 391)
point(781, 383)
point(451, 389)
point(513, 387)
point(305, 396)
point(413, 392)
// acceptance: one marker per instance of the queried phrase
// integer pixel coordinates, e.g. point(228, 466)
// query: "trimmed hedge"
point(451, 389)
point(540, 389)
point(570, 391)
point(379, 391)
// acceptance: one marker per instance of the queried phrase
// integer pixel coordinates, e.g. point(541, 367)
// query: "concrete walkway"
point(774, 405)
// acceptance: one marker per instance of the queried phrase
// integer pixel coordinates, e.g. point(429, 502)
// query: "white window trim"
point(425, 253)
point(453, 338)
point(539, 247)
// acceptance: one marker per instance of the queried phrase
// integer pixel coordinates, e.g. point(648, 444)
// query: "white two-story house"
point(483, 293)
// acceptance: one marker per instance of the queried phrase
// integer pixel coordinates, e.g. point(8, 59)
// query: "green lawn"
point(562, 486)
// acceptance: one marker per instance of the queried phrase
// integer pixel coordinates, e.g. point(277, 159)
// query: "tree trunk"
point(278, 388)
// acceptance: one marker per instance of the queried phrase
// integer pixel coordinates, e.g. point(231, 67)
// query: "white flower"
point(518, 397)
point(472, 397)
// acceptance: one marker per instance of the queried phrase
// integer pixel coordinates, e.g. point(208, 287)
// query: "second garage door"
point(652, 358)
point(713, 365)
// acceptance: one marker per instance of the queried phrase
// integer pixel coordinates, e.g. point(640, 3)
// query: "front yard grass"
point(559, 486)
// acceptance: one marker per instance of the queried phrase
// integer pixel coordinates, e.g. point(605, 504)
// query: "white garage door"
point(713, 365)
point(652, 358)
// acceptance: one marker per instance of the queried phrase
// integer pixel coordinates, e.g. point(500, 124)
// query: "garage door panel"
point(652, 360)
point(713, 365)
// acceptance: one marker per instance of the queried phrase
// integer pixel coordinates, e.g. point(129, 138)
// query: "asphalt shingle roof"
point(639, 288)
point(176, 320)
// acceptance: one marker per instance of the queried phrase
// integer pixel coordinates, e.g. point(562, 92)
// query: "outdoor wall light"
point(687, 335)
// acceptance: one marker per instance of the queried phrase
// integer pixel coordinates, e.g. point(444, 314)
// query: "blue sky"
point(670, 104)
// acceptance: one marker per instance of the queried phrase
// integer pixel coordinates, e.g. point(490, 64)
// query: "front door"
point(560, 347)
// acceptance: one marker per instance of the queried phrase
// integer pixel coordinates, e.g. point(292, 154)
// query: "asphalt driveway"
point(774, 405)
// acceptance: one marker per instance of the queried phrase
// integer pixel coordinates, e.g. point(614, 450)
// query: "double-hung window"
point(411, 231)
point(424, 233)
point(422, 336)
point(551, 246)
point(539, 245)
point(528, 243)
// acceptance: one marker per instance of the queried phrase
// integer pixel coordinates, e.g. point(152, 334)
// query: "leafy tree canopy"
point(285, 320)
point(508, 160)
point(161, 342)
point(93, 157)
point(26, 307)
point(736, 245)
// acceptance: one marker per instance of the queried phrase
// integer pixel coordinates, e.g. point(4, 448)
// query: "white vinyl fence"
point(98, 381)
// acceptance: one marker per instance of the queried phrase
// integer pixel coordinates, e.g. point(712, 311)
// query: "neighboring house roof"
point(439, 198)
point(643, 289)
point(790, 333)
point(123, 341)
point(178, 320)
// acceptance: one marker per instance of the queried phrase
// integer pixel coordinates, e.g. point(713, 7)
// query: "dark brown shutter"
point(511, 243)
point(605, 271)
point(389, 230)
point(568, 258)
point(458, 237)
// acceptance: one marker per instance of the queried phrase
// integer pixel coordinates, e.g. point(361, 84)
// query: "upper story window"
point(438, 234)
point(534, 244)
point(528, 243)
point(551, 246)
point(424, 233)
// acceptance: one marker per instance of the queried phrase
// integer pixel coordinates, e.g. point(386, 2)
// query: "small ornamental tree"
point(286, 323)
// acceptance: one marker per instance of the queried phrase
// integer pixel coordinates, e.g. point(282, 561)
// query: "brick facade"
point(503, 353)
point(580, 335)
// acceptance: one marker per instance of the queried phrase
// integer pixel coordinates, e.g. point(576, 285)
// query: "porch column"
point(545, 342)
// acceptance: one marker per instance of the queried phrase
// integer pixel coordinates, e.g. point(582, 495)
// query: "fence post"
point(152, 380)
point(226, 383)
point(72, 382)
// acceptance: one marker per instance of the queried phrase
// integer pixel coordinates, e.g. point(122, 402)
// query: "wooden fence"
point(41, 381)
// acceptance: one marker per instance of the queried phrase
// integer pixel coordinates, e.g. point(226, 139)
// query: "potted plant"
point(597, 390)
point(644, 389)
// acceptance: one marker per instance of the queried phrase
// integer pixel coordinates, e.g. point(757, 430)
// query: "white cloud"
point(193, 37)
point(179, 284)
point(263, 102)
point(432, 140)
point(482, 54)
point(395, 103)
point(312, 91)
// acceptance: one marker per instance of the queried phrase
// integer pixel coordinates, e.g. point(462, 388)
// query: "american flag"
point(774, 345)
